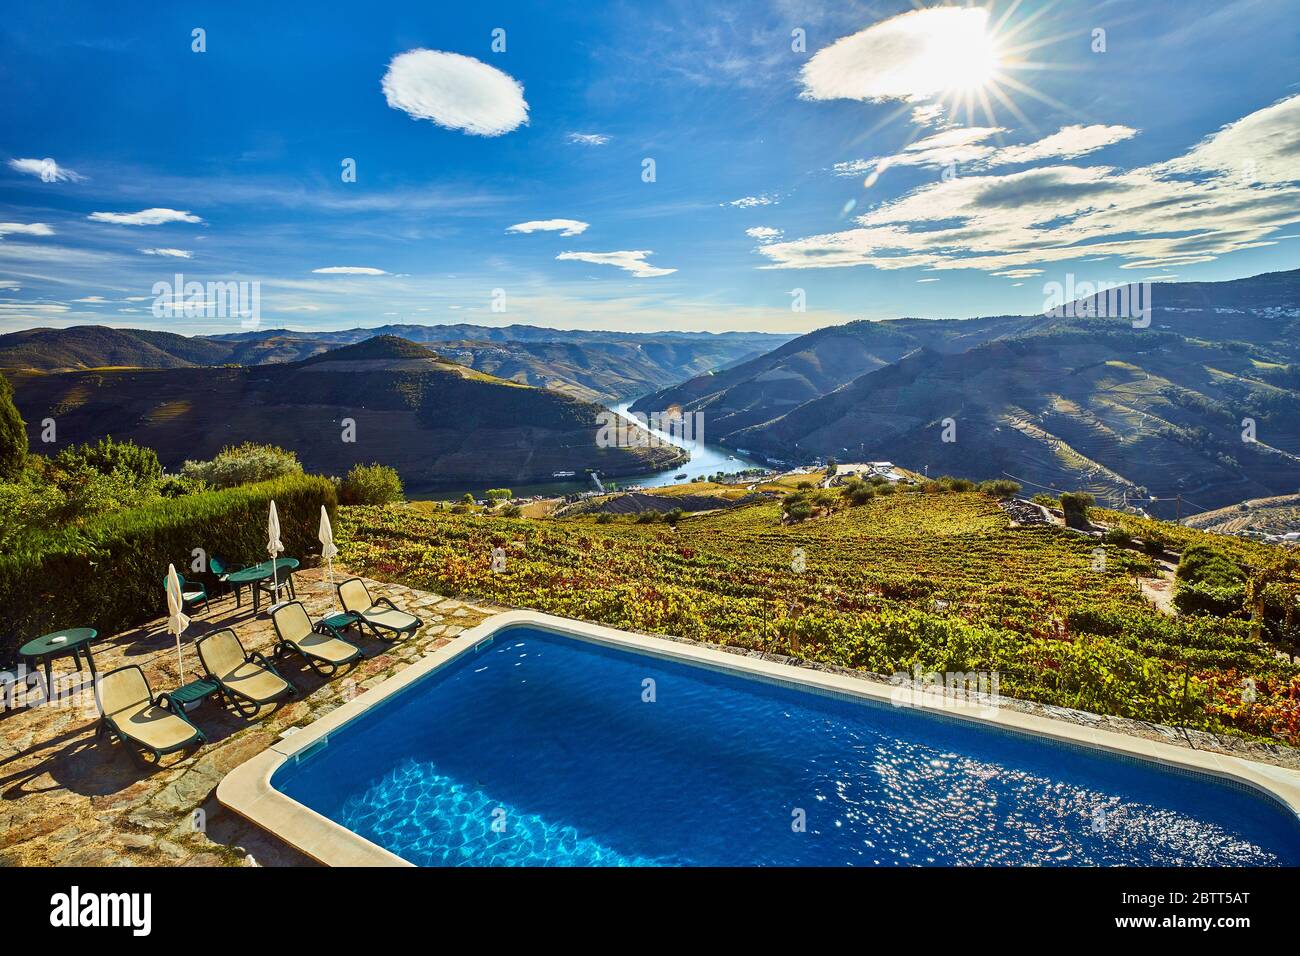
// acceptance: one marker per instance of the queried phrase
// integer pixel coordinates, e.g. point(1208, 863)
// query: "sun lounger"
point(247, 678)
point(383, 617)
point(322, 645)
point(129, 711)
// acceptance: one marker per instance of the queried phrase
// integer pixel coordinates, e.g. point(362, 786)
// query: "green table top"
point(194, 690)
point(57, 641)
point(260, 572)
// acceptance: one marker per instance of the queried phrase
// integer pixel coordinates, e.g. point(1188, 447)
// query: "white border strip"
point(247, 789)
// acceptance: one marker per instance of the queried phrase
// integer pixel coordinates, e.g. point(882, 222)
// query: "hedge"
point(108, 574)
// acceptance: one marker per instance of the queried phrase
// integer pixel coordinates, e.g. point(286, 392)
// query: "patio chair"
point(129, 711)
point(384, 618)
point(247, 678)
point(321, 644)
point(222, 571)
point(193, 593)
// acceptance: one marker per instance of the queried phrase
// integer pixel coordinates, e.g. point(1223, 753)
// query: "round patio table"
point(258, 574)
point(72, 641)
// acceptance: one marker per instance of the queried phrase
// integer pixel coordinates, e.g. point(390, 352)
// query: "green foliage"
point(674, 516)
point(936, 581)
point(242, 465)
point(604, 518)
point(373, 484)
point(648, 517)
point(467, 498)
point(1075, 504)
point(106, 574)
point(511, 511)
point(124, 461)
point(13, 434)
point(857, 492)
point(1208, 582)
point(1000, 487)
point(1118, 537)
point(499, 494)
point(797, 506)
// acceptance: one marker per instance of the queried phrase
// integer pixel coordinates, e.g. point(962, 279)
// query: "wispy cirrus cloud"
point(47, 170)
point(969, 146)
point(630, 261)
point(170, 253)
point(349, 271)
point(565, 227)
point(763, 233)
point(25, 229)
point(588, 139)
point(455, 92)
point(145, 217)
point(749, 202)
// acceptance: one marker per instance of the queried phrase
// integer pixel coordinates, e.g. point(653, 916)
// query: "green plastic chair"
point(193, 593)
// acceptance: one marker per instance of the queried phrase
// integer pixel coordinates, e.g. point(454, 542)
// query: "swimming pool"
point(540, 742)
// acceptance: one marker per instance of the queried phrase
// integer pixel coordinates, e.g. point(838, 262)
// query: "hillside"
point(939, 582)
point(597, 366)
point(1063, 402)
point(436, 422)
point(1277, 515)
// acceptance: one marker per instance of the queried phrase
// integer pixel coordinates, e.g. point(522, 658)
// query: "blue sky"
point(862, 169)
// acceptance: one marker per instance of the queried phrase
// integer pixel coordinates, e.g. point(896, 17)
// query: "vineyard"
point(937, 582)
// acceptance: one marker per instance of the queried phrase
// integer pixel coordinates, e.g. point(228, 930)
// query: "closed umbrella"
point(274, 545)
point(327, 550)
point(176, 619)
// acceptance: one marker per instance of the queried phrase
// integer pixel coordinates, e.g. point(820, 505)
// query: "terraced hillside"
point(1063, 401)
point(435, 421)
point(939, 582)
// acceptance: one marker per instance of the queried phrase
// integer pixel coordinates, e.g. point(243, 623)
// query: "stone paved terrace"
point(69, 798)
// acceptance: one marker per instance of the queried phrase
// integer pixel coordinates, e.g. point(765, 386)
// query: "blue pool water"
point(538, 749)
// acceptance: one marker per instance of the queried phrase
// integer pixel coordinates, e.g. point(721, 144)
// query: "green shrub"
point(107, 574)
point(604, 518)
point(1075, 504)
point(1208, 582)
point(13, 434)
point(1118, 537)
point(647, 517)
point(797, 507)
point(243, 465)
point(511, 511)
point(674, 516)
point(126, 461)
point(373, 484)
point(1000, 487)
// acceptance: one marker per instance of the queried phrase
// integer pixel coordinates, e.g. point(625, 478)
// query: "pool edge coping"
point(247, 789)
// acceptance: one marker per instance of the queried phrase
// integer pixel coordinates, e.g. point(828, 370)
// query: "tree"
point(373, 484)
point(242, 465)
point(499, 494)
point(13, 434)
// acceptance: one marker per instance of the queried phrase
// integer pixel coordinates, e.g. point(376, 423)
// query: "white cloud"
point(633, 262)
point(9, 285)
point(1262, 147)
point(46, 169)
point(145, 217)
point(456, 92)
point(25, 229)
point(1019, 273)
point(907, 57)
point(763, 233)
point(299, 308)
point(969, 146)
point(588, 139)
point(927, 280)
point(565, 227)
point(350, 271)
point(748, 202)
point(93, 300)
point(172, 253)
point(1066, 143)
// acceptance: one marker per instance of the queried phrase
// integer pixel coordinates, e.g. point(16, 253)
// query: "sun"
point(963, 61)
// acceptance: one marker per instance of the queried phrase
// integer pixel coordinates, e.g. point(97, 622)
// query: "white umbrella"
point(176, 619)
point(274, 545)
point(327, 550)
